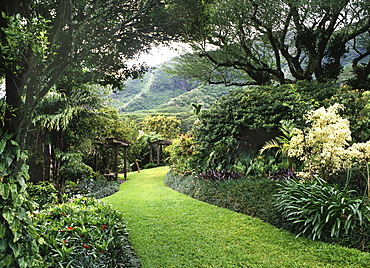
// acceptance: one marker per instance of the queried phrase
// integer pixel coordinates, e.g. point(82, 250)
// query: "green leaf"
point(22, 262)
point(2, 167)
point(15, 248)
point(21, 182)
point(8, 215)
point(3, 245)
point(4, 190)
point(14, 226)
point(2, 145)
point(7, 261)
point(16, 237)
point(2, 231)
point(14, 191)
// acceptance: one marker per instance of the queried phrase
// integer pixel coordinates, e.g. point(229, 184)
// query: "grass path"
point(169, 229)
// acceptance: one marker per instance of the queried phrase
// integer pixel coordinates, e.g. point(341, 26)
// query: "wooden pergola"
point(160, 144)
point(115, 143)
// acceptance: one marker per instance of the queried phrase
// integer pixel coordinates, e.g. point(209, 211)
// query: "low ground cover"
point(323, 211)
point(250, 196)
point(169, 229)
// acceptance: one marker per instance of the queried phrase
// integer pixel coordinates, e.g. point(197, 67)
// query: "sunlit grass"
point(169, 229)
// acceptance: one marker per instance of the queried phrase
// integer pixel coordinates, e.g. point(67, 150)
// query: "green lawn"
point(169, 229)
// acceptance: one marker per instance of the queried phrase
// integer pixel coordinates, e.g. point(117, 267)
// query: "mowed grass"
point(169, 229)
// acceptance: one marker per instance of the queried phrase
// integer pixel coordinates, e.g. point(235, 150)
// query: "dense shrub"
point(320, 210)
point(150, 165)
point(218, 134)
point(251, 196)
point(357, 111)
point(42, 192)
point(84, 233)
point(73, 167)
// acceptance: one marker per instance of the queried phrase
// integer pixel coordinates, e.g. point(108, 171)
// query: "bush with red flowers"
point(84, 233)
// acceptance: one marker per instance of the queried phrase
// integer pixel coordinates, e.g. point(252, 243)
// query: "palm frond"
point(51, 99)
point(58, 121)
point(271, 144)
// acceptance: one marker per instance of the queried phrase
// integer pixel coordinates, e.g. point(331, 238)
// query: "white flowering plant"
point(322, 145)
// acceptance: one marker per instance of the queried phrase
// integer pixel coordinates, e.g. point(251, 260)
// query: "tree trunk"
point(137, 166)
point(13, 87)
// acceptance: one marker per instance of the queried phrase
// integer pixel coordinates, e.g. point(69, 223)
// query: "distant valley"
point(158, 92)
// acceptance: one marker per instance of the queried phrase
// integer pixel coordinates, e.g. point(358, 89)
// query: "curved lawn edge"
point(169, 229)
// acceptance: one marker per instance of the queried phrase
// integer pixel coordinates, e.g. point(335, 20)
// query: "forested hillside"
point(158, 92)
point(152, 90)
point(203, 94)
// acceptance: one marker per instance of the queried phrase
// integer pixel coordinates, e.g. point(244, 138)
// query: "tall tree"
point(168, 127)
point(284, 40)
point(42, 41)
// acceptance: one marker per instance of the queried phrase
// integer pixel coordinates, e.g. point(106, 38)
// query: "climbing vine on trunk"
point(19, 242)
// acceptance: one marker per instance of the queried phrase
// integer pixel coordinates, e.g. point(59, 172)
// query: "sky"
point(162, 54)
point(155, 57)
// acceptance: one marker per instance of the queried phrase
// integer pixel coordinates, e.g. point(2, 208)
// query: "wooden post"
point(151, 152)
point(158, 153)
point(125, 162)
point(116, 161)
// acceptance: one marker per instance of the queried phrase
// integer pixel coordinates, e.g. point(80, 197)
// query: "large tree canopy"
point(262, 41)
point(62, 43)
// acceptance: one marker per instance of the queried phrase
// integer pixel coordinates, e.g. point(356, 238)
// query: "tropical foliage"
point(60, 59)
point(68, 125)
point(318, 209)
point(59, 122)
point(42, 192)
point(181, 152)
point(84, 233)
point(281, 144)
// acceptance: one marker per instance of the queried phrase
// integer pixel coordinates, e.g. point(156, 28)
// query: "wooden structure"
point(160, 144)
point(115, 143)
